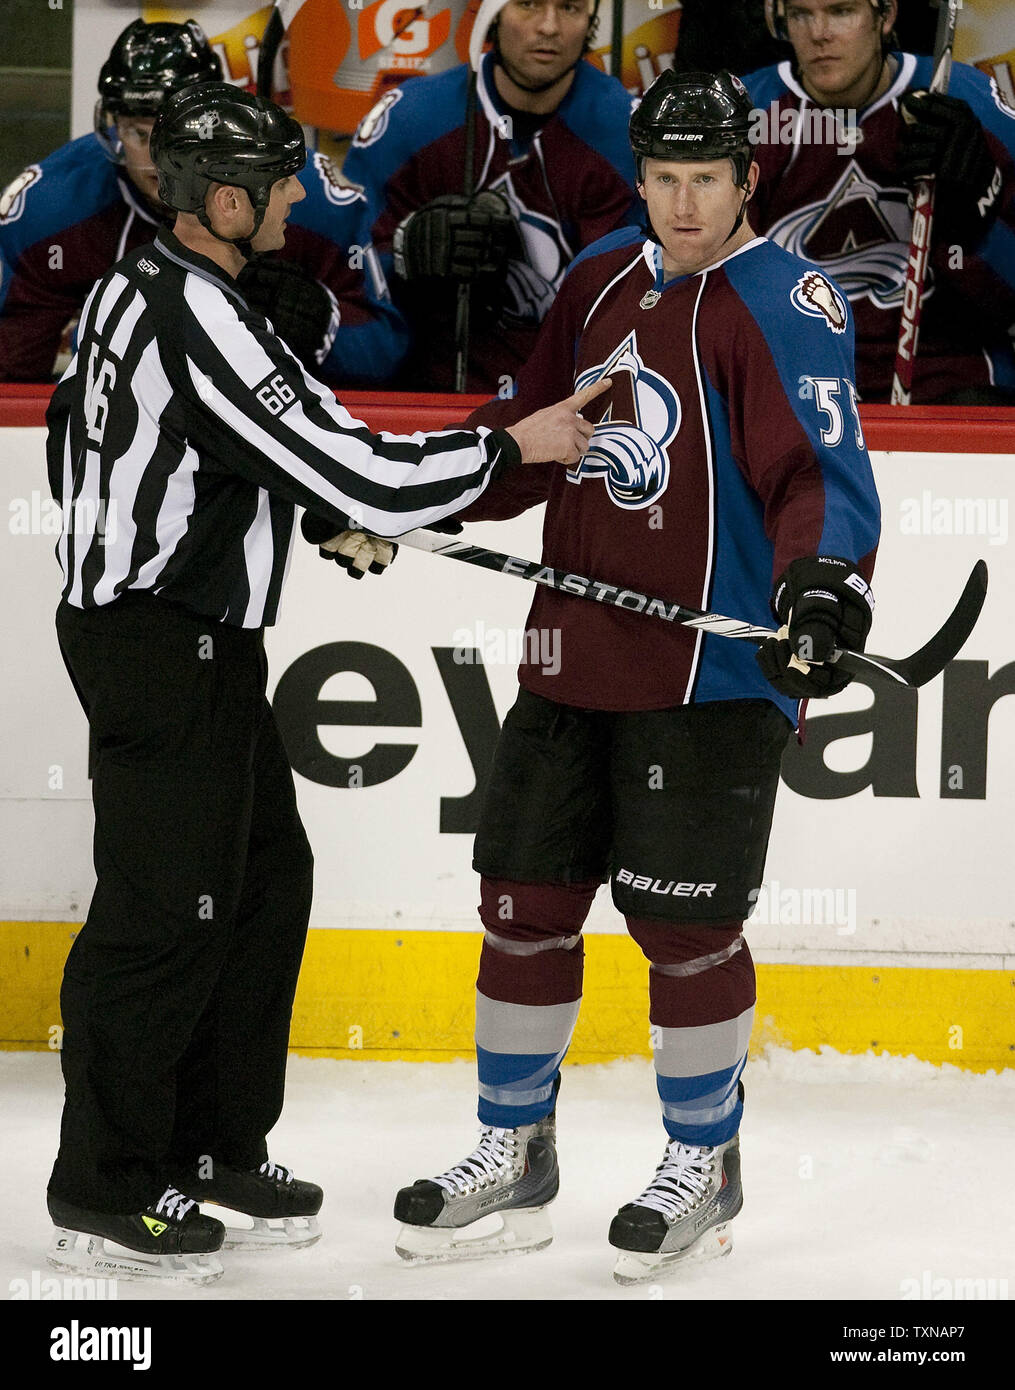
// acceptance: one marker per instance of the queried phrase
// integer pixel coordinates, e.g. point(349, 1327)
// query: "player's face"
point(692, 208)
point(271, 233)
point(541, 40)
point(838, 47)
point(134, 133)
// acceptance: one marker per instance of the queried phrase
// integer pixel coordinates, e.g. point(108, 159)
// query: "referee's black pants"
point(177, 993)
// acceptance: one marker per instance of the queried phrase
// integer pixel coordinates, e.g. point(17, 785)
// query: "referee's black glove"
point(823, 603)
point(303, 312)
point(352, 550)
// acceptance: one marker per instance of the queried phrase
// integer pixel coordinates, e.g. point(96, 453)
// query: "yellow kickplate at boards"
point(409, 996)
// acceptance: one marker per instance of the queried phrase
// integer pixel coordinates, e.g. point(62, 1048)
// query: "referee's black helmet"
point(216, 133)
point(694, 116)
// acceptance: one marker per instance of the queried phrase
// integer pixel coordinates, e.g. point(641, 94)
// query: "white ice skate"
point(169, 1241)
point(683, 1215)
point(492, 1203)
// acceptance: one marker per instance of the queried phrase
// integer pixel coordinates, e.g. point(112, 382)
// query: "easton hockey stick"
point(915, 670)
point(923, 222)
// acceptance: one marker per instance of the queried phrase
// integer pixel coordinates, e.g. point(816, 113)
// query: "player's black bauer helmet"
point(216, 133)
point(146, 65)
point(694, 115)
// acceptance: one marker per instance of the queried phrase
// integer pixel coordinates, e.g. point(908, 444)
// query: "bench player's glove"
point(354, 551)
point(303, 312)
point(457, 237)
point(941, 138)
point(823, 603)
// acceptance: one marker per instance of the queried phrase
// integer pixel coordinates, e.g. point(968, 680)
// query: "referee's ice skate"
point(683, 1214)
point(266, 1208)
point(492, 1203)
point(170, 1240)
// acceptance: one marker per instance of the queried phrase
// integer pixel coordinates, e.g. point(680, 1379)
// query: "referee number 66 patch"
point(275, 394)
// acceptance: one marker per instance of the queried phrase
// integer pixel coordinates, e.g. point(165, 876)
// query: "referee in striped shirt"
point(190, 433)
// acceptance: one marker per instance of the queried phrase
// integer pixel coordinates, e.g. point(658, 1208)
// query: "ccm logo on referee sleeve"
point(656, 885)
point(275, 394)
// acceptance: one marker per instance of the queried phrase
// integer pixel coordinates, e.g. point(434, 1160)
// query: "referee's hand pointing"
point(558, 432)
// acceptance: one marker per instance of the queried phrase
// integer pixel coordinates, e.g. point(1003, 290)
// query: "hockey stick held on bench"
point(923, 222)
point(913, 671)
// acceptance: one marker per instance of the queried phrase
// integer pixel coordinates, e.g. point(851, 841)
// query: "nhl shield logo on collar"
point(649, 299)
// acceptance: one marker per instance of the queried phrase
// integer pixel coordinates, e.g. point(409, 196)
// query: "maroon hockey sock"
point(533, 951)
point(701, 1008)
point(527, 995)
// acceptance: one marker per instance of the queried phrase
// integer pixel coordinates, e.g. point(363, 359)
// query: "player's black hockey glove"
point(457, 237)
point(303, 312)
point(354, 551)
point(942, 138)
point(823, 603)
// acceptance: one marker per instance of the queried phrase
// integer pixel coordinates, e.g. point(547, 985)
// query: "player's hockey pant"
point(177, 993)
point(701, 1006)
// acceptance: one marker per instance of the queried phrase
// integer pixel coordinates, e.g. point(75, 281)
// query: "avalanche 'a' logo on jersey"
point(533, 283)
point(642, 417)
point(859, 235)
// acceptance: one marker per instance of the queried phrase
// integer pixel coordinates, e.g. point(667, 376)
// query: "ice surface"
point(868, 1178)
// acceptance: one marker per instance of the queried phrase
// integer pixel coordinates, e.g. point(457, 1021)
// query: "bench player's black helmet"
point(775, 18)
point(694, 115)
point(217, 133)
point(146, 65)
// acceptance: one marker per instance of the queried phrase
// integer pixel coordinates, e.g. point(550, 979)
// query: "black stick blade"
point(921, 668)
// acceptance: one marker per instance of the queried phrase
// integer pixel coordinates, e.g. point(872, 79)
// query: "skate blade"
point(266, 1233)
point(77, 1252)
point(637, 1267)
point(522, 1231)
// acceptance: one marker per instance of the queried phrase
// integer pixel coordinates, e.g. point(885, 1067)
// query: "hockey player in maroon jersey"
point(551, 172)
point(727, 469)
point(845, 128)
point(64, 222)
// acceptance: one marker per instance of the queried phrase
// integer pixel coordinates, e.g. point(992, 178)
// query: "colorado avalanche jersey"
point(568, 179)
point(64, 222)
point(728, 445)
point(836, 198)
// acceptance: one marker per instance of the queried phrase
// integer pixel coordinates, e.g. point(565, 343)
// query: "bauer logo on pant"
point(649, 884)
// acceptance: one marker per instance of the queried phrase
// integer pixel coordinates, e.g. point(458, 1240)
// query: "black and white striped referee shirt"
point(183, 434)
